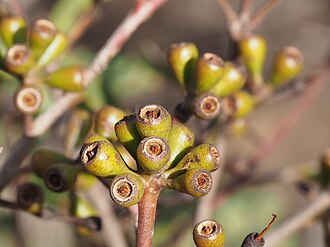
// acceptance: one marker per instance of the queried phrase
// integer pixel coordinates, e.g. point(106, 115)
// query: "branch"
point(16, 8)
point(18, 153)
point(147, 213)
point(314, 84)
point(228, 10)
point(262, 12)
point(300, 220)
point(113, 235)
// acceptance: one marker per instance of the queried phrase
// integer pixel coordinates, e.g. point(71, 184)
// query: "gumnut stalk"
point(208, 233)
point(255, 239)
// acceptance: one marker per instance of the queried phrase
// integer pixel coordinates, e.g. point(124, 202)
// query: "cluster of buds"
point(28, 52)
point(287, 63)
point(211, 85)
point(161, 147)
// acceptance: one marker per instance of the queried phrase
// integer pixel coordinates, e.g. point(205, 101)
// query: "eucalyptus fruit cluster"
point(161, 148)
point(26, 53)
point(212, 86)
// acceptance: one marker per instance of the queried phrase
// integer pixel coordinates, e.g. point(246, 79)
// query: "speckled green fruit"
point(95, 137)
point(182, 58)
point(13, 30)
point(209, 70)
point(19, 59)
point(180, 140)
point(209, 233)
point(153, 153)
point(127, 189)
point(102, 159)
point(53, 51)
point(204, 156)
point(195, 182)
point(231, 81)
point(61, 177)
point(153, 120)
point(287, 65)
point(128, 134)
point(253, 50)
point(69, 78)
point(42, 33)
point(43, 159)
point(105, 120)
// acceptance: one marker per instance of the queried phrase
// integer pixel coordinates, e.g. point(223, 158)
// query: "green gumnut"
point(204, 156)
point(231, 81)
point(209, 233)
point(182, 58)
point(287, 65)
point(61, 177)
point(102, 159)
point(94, 138)
point(69, 78)
point(42, 34)
point(30, 198)
point(195, 182)
point(80, 207)
point(209, 70)
point(128, 134)
point(127, 189)
point(19, 59)
point(206, 106)
point(180, 140)
point(238, 105)
point(105, 120)
point(153, 120)
point(29, 99)
point(253, 50)
point(13, 30)
point(53, 51)
point(152, 154)
point(43, 159)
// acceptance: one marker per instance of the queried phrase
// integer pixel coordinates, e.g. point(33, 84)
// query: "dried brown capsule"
point(206, 106)
point(208, 233)
point(30, 198)
point(255, 239)
point(28, 99)
point(127, 189)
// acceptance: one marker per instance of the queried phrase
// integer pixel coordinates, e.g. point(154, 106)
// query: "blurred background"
point(140, 75)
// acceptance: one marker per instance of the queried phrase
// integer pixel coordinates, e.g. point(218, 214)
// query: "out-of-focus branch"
point(262, 12)
point(300, 220)
point(15, 7)
point(99, 197)
point(228, 10)
point(314, 84)
point(18, 153)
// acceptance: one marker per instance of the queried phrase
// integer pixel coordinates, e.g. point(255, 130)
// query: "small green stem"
point(147, 213)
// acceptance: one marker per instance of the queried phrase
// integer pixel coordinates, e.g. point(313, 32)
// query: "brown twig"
point(299, 221)
point(262, 12)
point(147, 213)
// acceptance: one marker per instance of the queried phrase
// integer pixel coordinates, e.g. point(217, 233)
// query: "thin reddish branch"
point(262, 12)
point(228, 10)
point(147, 214)
point(16, 8)
point(314, 86)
